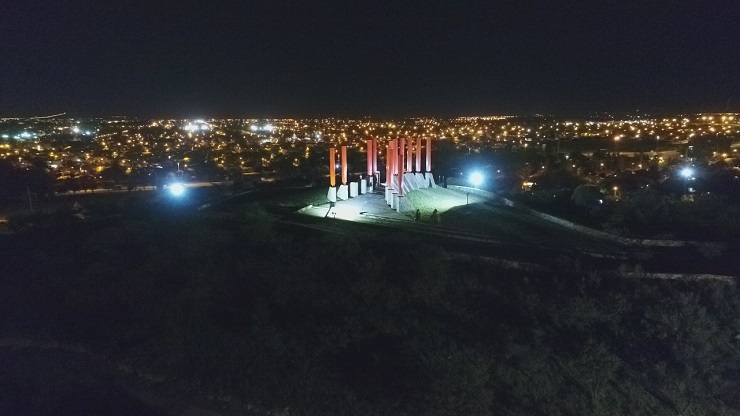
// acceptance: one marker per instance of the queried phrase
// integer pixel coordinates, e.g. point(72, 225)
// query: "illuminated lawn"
point(441, 199)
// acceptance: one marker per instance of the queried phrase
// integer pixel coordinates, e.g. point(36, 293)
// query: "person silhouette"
point(434, 219)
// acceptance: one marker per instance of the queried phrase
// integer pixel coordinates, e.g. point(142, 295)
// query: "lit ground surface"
point(373, 205)
point(481, 218)
point(441, 199)
point(488, 228)
point(356, 209)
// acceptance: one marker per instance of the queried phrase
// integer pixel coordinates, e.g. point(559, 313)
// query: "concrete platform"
point(354, 209)
point(374, 205)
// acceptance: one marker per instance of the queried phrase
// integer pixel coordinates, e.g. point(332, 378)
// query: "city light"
point(268, 127)
point(269, 144)
point(197, 125)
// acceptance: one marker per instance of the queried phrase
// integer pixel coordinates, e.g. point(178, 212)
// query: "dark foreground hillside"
point(241, 315)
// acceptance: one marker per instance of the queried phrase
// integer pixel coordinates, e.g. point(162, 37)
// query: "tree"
point(88, 182)
point(114, 173)
point(587, 196)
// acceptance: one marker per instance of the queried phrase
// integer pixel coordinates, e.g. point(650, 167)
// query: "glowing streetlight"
point(616, 144)
point(177, 189)
point(476, 179)
point(687, 173)
point(615, 191)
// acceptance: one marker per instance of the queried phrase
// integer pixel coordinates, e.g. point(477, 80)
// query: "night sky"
point(375, 58)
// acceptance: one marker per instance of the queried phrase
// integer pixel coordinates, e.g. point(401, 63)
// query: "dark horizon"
point(379, 59)
point(202, 116)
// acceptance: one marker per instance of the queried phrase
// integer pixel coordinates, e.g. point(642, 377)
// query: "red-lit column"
point(332, 167)
point(400, 168)
point(389, 166)
point(375, 156)
point(344, 165)
point(418, 155)
point(394, 158)
point(429, 154)
point(409, 154)
point(369, 148)
point(394, 161)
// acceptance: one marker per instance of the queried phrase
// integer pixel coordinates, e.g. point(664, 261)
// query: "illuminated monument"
point(403, 175)
point(345, 190)
point(403, 172)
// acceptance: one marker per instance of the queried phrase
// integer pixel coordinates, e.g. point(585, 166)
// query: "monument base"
point(430, 180)
point(343, 192)
point(332, 194)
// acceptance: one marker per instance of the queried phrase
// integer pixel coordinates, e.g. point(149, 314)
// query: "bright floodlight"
point(687, 172)
point(177, 189)
point(476, 178)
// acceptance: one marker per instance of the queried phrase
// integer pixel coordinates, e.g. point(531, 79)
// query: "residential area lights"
point(72, 148)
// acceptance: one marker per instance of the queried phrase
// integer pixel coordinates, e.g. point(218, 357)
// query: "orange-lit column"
point(429, 154)
point(400, 168)
point(332, 167)
point(344, 165)
point(418, 155)
point(369, 151)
